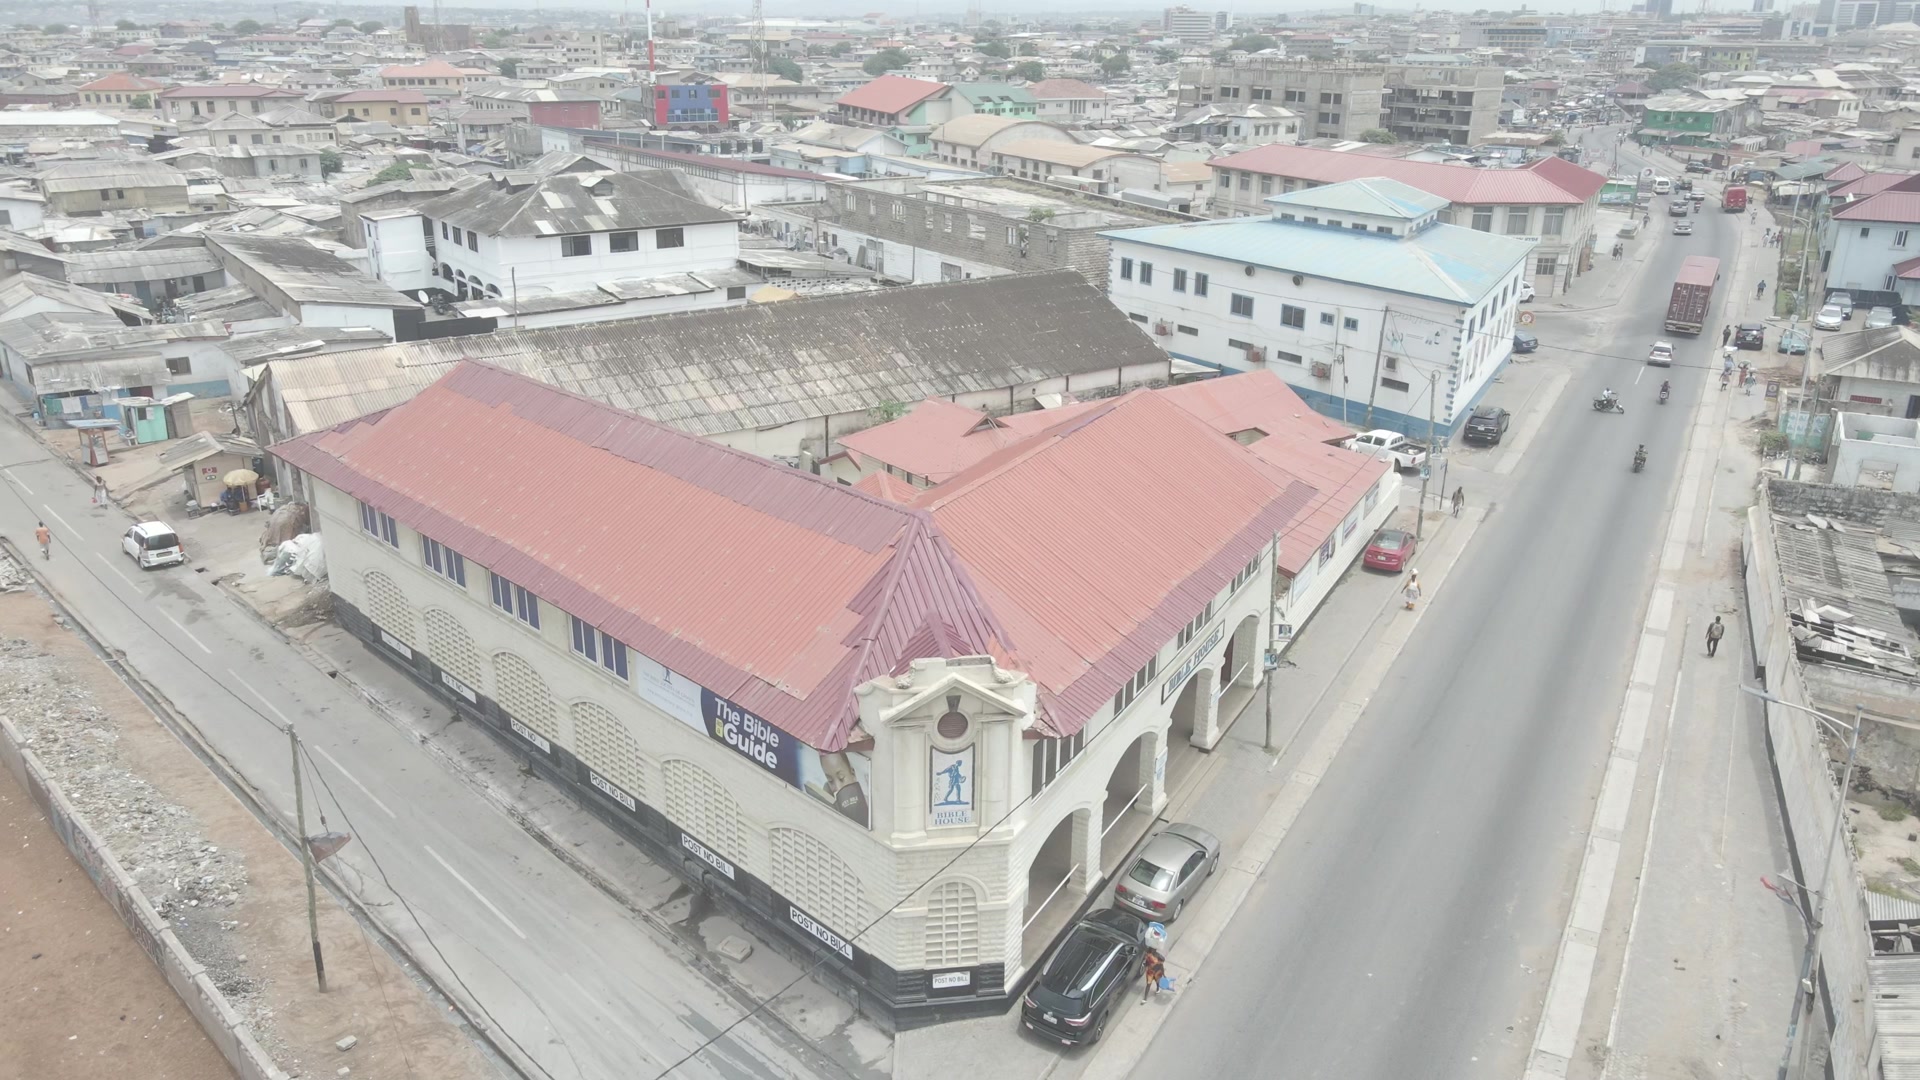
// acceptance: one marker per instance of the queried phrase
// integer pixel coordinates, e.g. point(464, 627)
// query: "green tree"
point(343, 22)
point(884, 61)
point(329, 162)
point(1673, 77)
point(245, 27)
point(1115, 64)
point(141, 101)
point(1378, 135)
point(371, 26)
point(786, 69)
point(1556, 139)
point(1030, 70)
point(996, 49)
point(1165, 56)
point(1028, 48)
point(1252, 43)
point(840, 48)
point(399, 170)
point(509, 67)
point(495, 39)
point(54, 29)
point(126, 24)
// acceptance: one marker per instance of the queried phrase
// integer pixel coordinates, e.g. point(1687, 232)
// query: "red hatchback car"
point(1390, 550)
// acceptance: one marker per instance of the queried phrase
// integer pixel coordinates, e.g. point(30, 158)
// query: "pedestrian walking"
point(1459, 500)
point(1155, 969)
point(1715, 631)
point(44, 536)
point(99, 490)
point(1726, 333)
point(1412, 591)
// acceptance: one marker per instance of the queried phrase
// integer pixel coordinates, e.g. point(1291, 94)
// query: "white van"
point(1662, 185)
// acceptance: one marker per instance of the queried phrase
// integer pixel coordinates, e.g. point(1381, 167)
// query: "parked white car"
point(153, 543)
point(1391, 446)
point(1879, 318)
point(1830, 317)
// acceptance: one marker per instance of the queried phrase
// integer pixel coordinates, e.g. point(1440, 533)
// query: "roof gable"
point(891, 94)
point(576, 202)
point(1541, 183)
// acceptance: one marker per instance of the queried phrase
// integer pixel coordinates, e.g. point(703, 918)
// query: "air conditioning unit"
point(1322, 370)
point(1256, 354)
point(1163, 328)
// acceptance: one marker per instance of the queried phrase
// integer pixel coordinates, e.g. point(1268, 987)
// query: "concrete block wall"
point(1872, 506)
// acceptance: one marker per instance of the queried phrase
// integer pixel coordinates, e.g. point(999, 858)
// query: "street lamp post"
point(1803, 989)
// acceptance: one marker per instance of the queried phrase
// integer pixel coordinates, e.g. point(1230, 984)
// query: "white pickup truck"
point(1389, 446)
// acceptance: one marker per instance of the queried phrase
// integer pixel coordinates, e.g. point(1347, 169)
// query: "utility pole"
point(1269, 660)
point(1806, 358)
point(1426, 470)
point(306, 861)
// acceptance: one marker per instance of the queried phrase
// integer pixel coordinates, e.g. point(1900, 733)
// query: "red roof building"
point(890, 95)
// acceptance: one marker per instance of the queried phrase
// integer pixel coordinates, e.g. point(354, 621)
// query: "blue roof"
point(1449, 263)
point(1378, 196)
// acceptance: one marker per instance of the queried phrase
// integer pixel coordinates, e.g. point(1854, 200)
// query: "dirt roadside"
point(235, 896)
point(81, 999)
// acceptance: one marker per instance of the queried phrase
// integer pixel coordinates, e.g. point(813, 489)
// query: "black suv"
point(1487, 424)
point(1750, 336)
point(1071, 998)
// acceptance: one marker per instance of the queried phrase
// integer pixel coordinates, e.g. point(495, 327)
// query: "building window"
point(443, 560)
point(473, 240)
point(1546, 265)
point(1146, 273)
point(1291, 358)
point(1137, 317)
point(1266, 185)
point(1519, 219)
point(1483, 218)
point(1141, 679)
point(375, 523)
point(736, 292)
point(1326, 552)
point(1050, 756)
point(1179, 281)
point(1326, 318)
point(443, 230)
point(1350, 323)
point(1225, 178)
point(1192, 629)
point(1899, 238)
point(575, 246)
point(1188, 330)
point(1393, 384)
point(515, 601)
point(1126, 269)
point(1241, 305)
point(179, 365)
point(623, 241)
point(1295, 317)
point(598, 647)
point(1199, 284)
point(1553, 221)
point(1246, 181)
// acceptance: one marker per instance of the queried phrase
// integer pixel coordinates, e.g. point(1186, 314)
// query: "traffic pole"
point(306, 861)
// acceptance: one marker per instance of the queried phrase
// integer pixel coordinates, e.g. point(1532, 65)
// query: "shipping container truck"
point(1734, 201)
point(1692, 294)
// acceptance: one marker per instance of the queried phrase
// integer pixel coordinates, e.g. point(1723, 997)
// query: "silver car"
point(1879, 317)
point(1167, 872)
point(1830, 318)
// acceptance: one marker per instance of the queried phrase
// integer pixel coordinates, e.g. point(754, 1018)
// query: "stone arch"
point(521, 691)
point(451, 647)
point(811, 874)
point(1063, 867)
point(953, 925)
point(702, 805)
point(387, 606)
point(606, 746)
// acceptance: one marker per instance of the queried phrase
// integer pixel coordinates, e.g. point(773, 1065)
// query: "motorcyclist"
point(1761, 290)
point(1640, 457)
point(1608, 398)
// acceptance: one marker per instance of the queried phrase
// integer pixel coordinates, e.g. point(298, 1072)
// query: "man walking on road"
point(45, 538)
point(1459, 500)
point(1726, 333)
point(1412, 591)
point(99, 490)
point(1715, 631)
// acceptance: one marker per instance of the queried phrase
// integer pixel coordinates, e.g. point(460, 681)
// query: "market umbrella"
point(240, 478)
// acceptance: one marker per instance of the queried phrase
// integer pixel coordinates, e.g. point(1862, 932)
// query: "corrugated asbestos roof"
point(1895, 979)
point(513, 474)
point(93, 175)
point(763, 365)
point(139, 264)
point(1562, 183)
point(1097, 540)
point(574, 203)
point(305, 273)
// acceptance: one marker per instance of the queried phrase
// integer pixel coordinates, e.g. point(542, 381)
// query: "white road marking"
point(123, 576)
point(350, 777)
point(17, 480)
point(268, 702)
point(189, 633)
point(476, 892)
point(55, 515)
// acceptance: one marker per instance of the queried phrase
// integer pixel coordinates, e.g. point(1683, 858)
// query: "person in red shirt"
point(45, 538)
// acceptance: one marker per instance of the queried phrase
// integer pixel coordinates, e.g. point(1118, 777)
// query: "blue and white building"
point(1355, 293)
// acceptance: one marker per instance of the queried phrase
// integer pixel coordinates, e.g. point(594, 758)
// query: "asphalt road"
point(1408, 924)
point(580, 983)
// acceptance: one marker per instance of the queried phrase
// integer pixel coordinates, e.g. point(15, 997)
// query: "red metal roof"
point(1870, 184)
point(1907, 270)
point(1068, 89)
point(1896, 206)
point(935, 440)
point(884, 485)
point(120, 80)
point(890, 94)
point(398, 97)
point(1538, 183)
point(1260, 400)
point(1698, 270)
point(769, 586)
point(1341, 479)
point(1098, 539)
point(228, 90)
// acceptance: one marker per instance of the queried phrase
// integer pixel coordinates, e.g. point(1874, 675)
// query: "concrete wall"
point(149, 929)
point(539, 266)
point(380, 318)
point(1864, 253)
point(1883, 450)
point(1806, 776)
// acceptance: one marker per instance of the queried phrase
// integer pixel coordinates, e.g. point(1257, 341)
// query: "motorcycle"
point(1639, 461)
point(1606, 404)
point(1663, 396)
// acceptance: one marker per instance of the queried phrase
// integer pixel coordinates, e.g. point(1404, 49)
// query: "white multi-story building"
point(1875, 243)
point(1355, 293)
point(571, 232)
point(1198, 27)
point(871, 763)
